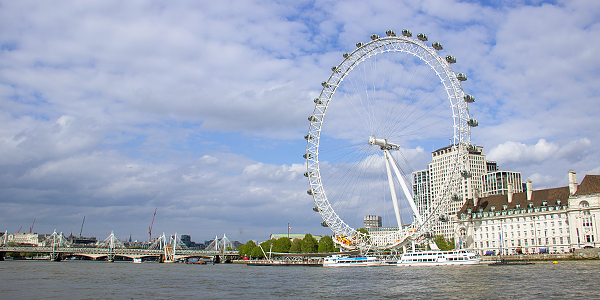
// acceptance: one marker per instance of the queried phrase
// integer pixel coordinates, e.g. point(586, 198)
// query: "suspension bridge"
point(167, 250)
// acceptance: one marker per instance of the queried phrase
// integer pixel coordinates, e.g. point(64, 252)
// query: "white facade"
point(24, 238)
point(544, 221)
point(584, 214)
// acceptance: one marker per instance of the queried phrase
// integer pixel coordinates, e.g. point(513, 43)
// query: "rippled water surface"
point(86, 279)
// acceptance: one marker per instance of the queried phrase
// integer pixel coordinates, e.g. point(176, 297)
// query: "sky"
point(198, 109)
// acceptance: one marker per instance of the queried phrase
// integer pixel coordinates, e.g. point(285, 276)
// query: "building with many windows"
point(496, 182)
point(372, 221)
point(429, 183)
point(421, 190)
point(554, 220)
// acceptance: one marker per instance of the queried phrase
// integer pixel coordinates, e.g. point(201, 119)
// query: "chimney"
point(475, 196)
point(510, 192)
point(572, 182)
point(528, 183)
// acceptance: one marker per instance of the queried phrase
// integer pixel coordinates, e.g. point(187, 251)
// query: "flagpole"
point(288, 231)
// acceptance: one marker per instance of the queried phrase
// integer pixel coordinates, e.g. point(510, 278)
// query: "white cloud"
point(111, 109)
point(542, 151)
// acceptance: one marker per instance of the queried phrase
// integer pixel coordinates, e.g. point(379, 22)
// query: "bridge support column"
point(55, 256)
point(1, 256)
point(111, 257)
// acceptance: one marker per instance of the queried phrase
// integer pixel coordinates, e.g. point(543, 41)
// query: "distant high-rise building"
point(435, 176)
point(496, 183)
point(491, 166)
point(187, 240)
point(422, 190)
point(372, 221)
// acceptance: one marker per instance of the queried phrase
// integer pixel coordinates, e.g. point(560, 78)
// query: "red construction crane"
point(20, 229)
point(150, 228)
point(31, 228)
point(81, 231)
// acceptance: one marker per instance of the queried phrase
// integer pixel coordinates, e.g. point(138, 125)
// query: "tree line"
point(308, 244)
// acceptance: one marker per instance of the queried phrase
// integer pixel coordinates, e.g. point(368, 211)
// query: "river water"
point(126, 280)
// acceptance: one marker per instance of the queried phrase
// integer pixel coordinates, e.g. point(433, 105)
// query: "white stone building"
point(554, 220)
point(24, 238)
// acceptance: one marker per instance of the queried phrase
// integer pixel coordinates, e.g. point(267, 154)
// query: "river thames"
point(93, 280)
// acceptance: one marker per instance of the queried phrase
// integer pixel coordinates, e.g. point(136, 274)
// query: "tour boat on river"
point(438, 258)
point(351, 261)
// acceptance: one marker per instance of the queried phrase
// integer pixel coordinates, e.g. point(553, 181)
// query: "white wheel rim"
point(460, 128)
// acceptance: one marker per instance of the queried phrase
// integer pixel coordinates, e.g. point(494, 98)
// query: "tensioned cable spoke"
point(379, 94)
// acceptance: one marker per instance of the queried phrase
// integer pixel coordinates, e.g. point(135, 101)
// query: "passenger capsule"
point(346, 55)
point(437, 46)
point(307, 156)
point(308, 137)
point(450, 59)
point(318, 101)
point(310, 192)
point(308, 174)
point(422, 37)
point(473, 123)
point(374, 36)
point(455, 197)
point(406, 33)
point(313, 119)
point(324, 224)
point(390, 33)
point(461, 77)
point(325, 84)
point(315, 208)
point(465, 174)
point(469, 98)
point(359, 44)
point(335, 69)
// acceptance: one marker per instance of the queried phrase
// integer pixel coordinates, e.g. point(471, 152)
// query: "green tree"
point(309, 244)
point(246, 249)
point(257, 253)
point(296, 246)
point(443, 243)
point(266, 245)
point(326, 245)
point(282, 245)
point(362, 230)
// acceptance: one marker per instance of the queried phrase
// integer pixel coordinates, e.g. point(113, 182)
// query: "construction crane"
point(20, 229)
point(81, 231)
point(152, 224)
point(31, 228)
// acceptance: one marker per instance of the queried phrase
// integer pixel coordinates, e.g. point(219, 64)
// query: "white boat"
point(137, 260)
point(351, 261)
point(438, 258)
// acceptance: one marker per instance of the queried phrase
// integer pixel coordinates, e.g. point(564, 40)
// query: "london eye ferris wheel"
point(382, 105)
